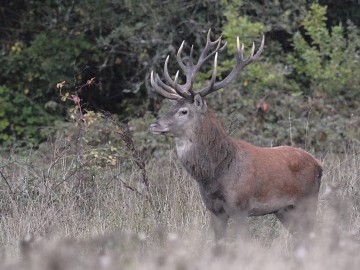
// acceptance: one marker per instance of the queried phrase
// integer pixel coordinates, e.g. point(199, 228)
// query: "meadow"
point(56, 214)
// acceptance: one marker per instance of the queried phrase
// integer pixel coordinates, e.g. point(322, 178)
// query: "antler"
point(240, 64)
point(173, 90)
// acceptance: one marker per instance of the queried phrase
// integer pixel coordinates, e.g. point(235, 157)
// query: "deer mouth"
point(158, 129)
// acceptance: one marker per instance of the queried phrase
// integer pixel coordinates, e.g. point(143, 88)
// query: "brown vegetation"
point(116, 228)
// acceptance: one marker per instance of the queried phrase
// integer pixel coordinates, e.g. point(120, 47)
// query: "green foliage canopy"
point(330, 61)
point(119, 42)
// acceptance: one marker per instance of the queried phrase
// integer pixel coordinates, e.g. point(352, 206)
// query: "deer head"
point(188, 105)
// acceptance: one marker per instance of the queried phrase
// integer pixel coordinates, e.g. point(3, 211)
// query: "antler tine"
point(208, 39)
point(261, 48)
point(240, 64)
point(175, 81)
point(252, 50)
point(188, 70)
point(209, 44)
point(163, 85)
point(166, 73)
point(213, 76)
point(218, 49)
point(178, 88)
point(160, 90)
point(240, 49)
point(178, 57)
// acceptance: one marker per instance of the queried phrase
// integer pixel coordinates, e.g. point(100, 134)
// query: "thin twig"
point(8, 185)
point(125, 135)
point(131, 188)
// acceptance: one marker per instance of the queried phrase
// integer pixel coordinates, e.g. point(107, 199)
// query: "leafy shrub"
point(34, 71)
point(262, 76)
point(117, 42)
point(20, 117)
point(329, 61)
point(295, 111)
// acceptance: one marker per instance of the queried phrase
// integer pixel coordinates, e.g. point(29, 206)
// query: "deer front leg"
point(241, 227)
point(219, 224)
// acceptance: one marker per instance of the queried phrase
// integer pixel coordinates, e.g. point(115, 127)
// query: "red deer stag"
point(236, 179)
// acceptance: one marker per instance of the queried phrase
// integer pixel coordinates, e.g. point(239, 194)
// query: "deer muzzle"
point(156, 128)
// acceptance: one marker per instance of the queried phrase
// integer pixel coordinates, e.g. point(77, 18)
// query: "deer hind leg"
point(300, 220)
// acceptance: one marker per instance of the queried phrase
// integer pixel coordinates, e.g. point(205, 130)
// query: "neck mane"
point(206, 151)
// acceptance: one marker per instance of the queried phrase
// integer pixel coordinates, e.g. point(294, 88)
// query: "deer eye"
point(183, 112)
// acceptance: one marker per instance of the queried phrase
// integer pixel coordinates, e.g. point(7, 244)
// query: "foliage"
point(294, 111)
point(34, 70)
point(94, 138)
point(280, 118)
point(341, 11)
point(262, 76)
point(329, 61)
point(108, 40)
point(118, 43)
point(20, 118)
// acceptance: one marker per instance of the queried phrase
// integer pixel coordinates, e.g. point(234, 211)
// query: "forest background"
point(308, 74)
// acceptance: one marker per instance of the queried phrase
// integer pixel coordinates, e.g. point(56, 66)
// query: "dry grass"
point(55, 215)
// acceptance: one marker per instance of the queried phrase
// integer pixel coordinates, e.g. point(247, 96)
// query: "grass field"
point(57, 215)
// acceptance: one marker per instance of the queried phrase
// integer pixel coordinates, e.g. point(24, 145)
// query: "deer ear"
point(199, 103)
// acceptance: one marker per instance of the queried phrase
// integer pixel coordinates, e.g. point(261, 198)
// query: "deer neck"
point(207, 150)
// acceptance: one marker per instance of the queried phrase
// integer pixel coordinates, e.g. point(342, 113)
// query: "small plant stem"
point(8, 185)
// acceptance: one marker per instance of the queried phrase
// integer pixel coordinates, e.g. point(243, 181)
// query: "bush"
point(20, 118)
point(326, 59)
point(34, 71)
